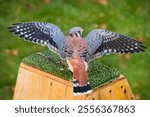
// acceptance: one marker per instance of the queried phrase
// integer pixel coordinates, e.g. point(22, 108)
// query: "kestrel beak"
point(82, 31)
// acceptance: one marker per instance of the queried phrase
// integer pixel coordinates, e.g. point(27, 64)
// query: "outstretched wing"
point(42, 33)
point(103, 42)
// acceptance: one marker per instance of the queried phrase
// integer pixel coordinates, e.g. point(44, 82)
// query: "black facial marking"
point(76, 34)
point(71, 35)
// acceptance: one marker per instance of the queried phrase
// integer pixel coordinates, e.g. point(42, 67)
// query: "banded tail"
point(81, 89)
point(81, 85)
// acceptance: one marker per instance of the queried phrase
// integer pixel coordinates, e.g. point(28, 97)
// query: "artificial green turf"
point(48, 61)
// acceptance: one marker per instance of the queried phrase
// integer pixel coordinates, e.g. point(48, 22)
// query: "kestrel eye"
point(79, 32)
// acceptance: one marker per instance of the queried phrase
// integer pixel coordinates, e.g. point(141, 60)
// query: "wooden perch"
point(34, 84)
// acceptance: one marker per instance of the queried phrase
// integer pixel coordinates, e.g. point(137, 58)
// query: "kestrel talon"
point(77, 51)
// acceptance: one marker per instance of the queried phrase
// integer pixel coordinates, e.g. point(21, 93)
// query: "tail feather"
point(81, 89)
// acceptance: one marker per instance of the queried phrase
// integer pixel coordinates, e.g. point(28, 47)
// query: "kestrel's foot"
point(62, 62)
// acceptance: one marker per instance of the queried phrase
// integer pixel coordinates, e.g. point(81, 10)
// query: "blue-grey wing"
point(41, 33)
point(103, 42)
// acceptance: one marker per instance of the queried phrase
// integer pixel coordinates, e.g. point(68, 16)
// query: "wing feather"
point(103, 42)
point(41, 33)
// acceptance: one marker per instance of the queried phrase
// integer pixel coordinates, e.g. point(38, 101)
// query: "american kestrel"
point(77, 51)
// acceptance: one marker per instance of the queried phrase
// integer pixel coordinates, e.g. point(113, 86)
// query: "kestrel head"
point(76, 31)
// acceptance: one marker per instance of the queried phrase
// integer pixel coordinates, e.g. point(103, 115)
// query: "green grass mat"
point(98, 74)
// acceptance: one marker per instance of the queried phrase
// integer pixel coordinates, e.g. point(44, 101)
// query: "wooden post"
point(33, 84)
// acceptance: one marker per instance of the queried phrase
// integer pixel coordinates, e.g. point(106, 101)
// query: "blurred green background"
point(128, 17)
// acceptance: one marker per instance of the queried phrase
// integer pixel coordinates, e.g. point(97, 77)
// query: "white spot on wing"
point(105, 51)
point(114, 50)
point(41, 41)
point(26, 35)
point(21, 33)
point(45, 42)
point(122, 50)
point(131, 48)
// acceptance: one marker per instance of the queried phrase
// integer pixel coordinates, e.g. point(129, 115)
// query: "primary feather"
point(41, 33)
point(103, 42)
